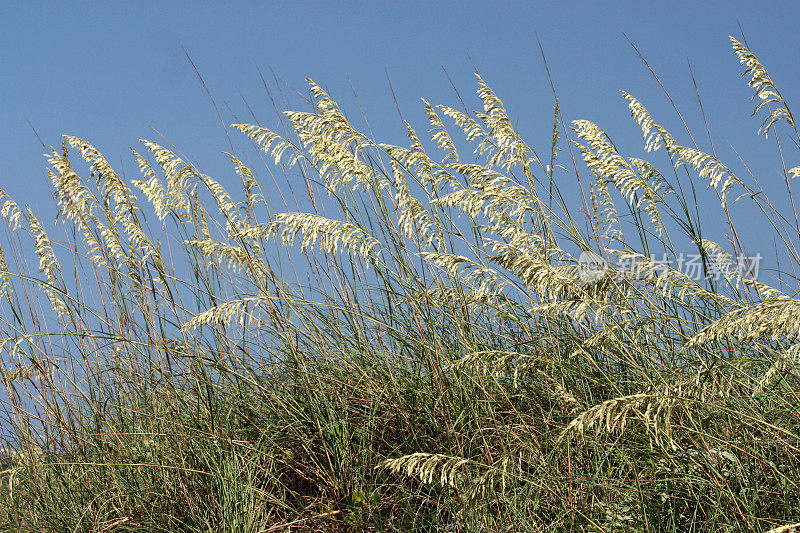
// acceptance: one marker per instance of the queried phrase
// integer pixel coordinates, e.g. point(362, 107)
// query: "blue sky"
point(112, 71)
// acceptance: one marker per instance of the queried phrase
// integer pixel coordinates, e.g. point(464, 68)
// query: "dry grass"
point(431, 354)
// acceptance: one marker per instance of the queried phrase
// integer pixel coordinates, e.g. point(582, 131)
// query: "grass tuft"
point(433, 340)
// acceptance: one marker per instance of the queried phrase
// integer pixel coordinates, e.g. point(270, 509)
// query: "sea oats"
point(778, 318)
point(152, 187)
point(10, 211)
point(510, 149)
point(48, 265)
point(764, 86)
point(109, 183)
point(227, 208)
point(250, 187)
point(234, 257)
point(612, 415)
point(789, 360)
point(536, 271)
point(472, 130)
point(125, 207)
point(440, 136)
point(332, 145)
point(595, 154)
point(225, 314)
point(492, 195)
point(480, 311)
point(636, 180)
point(708, 167)
point(427, 466)
point(788, 528)
point(270, 143)
point(313, 229)
point(337, 162)
point(414, 220)
point(491, 360)
point(655, 136)
point(74, 198)
point(417, 158)
point(77, 203)
point(177, 174)
point(480, 278)
point(5, 275)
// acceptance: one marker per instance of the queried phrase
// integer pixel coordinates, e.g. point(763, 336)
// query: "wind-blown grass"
point(452, 363)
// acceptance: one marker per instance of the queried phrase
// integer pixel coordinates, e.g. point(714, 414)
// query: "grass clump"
point(436, 341)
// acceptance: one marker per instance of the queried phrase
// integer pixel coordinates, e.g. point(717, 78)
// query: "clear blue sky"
point(108, 71)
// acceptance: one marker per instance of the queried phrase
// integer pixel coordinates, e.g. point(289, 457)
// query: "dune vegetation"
point(459, 334)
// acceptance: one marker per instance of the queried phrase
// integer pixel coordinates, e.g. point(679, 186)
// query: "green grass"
point(422, 350)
